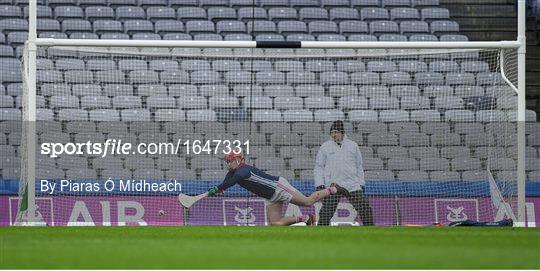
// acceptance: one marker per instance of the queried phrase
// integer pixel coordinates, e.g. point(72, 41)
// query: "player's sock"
point(302, 218)
point(330, 190)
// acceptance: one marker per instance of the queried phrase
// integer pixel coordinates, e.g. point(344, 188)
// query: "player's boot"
point(312, 220)
point(341, 190)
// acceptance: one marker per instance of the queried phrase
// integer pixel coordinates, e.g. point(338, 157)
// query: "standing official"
point(339, 161)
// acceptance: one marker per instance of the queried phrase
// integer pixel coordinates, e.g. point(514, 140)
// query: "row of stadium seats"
point(205, 127)
point(261, 65)
point(263, 94)
point(225, 115)
point(280, 102)
point(122, 13)
point(256, 28)
point(235, 3)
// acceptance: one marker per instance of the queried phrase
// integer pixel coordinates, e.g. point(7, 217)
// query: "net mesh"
point(436, 131)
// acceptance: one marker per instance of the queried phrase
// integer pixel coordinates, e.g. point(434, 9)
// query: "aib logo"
point(456, 214)
point(244, 215)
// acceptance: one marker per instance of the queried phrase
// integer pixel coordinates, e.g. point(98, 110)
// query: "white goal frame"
point(30, 69)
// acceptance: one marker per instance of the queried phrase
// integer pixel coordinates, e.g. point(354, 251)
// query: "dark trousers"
point(358, 201)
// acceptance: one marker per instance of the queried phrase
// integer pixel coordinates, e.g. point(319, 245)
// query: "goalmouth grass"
point(269, 248)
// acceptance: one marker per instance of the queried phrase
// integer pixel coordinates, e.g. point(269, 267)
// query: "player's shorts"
point(284, 192)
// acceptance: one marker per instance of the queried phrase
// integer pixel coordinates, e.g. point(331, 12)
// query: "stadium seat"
point(379, 175)
point(444, 176)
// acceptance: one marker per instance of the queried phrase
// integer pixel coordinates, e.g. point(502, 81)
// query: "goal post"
point(495, 52)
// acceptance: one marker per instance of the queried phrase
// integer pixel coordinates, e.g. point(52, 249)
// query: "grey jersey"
point(339, 164)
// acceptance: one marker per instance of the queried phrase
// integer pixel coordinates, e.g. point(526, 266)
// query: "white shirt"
point(339, 164)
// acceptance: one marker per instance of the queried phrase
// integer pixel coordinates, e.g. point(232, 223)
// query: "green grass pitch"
point(269, 248)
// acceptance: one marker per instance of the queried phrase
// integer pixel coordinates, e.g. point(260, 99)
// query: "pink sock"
point(331, 190)
point(302, 218)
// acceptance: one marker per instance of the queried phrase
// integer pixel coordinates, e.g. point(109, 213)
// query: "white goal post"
point(30, 71)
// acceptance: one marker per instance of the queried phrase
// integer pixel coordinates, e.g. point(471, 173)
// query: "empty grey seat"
point(214, 90)
point(440, 139)
point(393, 115)
point(72, 115)
point(412, 175)
point(304, 3)
point(404, 14)
point(415, 103)
point(459, 115)
point(274, 3)
point(270, 163)
point(475, 175)
point(160, 13)
point(199, 26)
point(73, 25)
point(434, 13)
point(362, 115)
point(395, 3)
point(386, 152)
point(99, 12)
point(342, 90)
point(353, 27)
point(130, 12)
point(284, 139)
point(121, 102)
point(329, 115)
point(223, 27)
point(449, 102)
point(201, 115)
point(104, 115)
point(373, 164)
point(468, 91)
point(137, 26)
point(434, 164)
point(413, 27)
point(402, 164)
point(302, 163)
point(192, 102)
point(466, 164)
point(353, 102)
point(50, 173)
point(62, 12)
point(460, 79)
point(474, 66)
point(453, 152)
point(423, 152)
point(488, 78)
point(297, 115)
point(221, 13)
point(453, 37)
point(423, 37)
point(399, 78)
point(429, 78)
point(251, 13)
point(392, 37)
point(135, 115)
point(306, 90)
point(331, 37)
point(444, 27)
point(382, 139)
point(186, 14)
point(379, 175)
point(362, 37)
point(168, 26)
point(282, 13)
point(373, 13)
point(334, 78)
point(318, 27)
point(109, 76)
point(288, 103)
point(384, 103)
point(223, 102)
point(343, 13)
point(289, 27)
point(312, 13)
point(444, 176)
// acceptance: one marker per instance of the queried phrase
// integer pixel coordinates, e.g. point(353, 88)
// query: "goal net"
point(122, 131)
